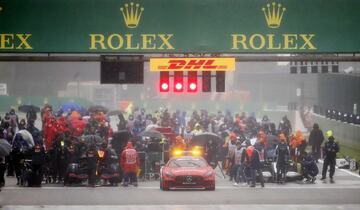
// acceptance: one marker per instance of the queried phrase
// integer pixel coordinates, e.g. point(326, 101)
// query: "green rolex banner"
point(179, 26)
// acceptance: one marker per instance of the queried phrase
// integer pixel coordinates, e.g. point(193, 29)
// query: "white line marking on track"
point(186, 207)
point(218, 187)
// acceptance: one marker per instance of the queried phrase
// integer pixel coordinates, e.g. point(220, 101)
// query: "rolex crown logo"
point(132, 14)
point(273, 14)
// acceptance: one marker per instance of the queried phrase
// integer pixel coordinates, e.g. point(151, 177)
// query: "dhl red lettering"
point(208, 65)
point(177, 64)
point(195, 64)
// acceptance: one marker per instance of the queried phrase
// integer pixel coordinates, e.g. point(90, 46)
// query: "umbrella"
point(23, 139)
point(28, 108)
point(93, 139)
point(5, 147)
point(113, 112)
point(119, 139)
point(26, 135)
point(202, 139)
point(71, 106)
point(98, 108)
point(152, 134)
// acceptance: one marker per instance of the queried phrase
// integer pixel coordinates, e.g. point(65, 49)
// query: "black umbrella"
point(120, 139)
point(98, 108)
point(113, 112)
point(93, 139)
point(28, 108)
point(5, 147)
point(203, 138)
point(152, 134)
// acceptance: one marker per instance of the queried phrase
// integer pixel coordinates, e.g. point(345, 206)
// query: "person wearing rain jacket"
point(180, 143)
point(229, 158)
point(22, 124)
point(92, 159)
point(50, 132)
point(316, 138)
point(129, 163)
point(2, 163)
point(72, 155)
point(62, 125)
point(79, 127)
point(252, 160)
point(282, 153)
point(2, 171)
point(261, 145)
point(330, 149)
point(31, 116)
point(36, 133)
point(285, 126)
point(17, 156)
point(38, 159)
point(46, 113)
point(298, 145)
point(59, 157)
point(238, 164)
point(14, 120)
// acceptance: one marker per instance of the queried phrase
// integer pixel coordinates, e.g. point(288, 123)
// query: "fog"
point(253, 86)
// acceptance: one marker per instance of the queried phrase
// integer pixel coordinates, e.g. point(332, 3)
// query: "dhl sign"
point(192, 64)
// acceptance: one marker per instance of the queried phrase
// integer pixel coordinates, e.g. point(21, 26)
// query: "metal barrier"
point(150, 164)
point(142, 158)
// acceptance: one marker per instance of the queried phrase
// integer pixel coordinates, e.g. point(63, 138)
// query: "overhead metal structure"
point(239, 58)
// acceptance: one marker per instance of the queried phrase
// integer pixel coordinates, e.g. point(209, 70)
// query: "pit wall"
point(343, 132)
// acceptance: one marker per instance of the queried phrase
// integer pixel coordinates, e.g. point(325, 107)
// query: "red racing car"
point(187, 172)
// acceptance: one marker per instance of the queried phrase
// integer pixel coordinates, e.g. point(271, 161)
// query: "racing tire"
point(162, 187)
point(114, 184)
point(212, 188)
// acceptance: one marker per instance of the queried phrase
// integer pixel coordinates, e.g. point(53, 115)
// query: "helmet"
point(329, 133)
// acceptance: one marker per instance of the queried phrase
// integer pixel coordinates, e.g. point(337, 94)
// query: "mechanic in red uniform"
point(129, 162)
point(50, 132)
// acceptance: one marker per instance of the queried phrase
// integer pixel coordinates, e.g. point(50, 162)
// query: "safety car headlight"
point(209, 173)
point(169, 174)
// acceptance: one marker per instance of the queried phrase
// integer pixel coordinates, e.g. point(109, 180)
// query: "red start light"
point(192, 81)
point(178, 86)
point(164, 81)
point(178, 81)
point(192, 86)
point(164, 86)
